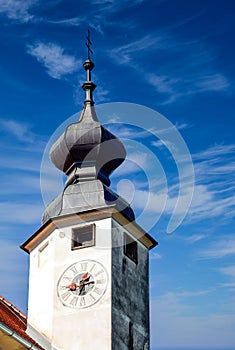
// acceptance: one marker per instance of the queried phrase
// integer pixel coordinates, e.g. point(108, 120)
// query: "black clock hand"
point(81, 288)
point(86, 283)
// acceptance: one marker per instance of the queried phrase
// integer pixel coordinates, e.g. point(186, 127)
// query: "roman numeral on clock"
point(101, 281)
point(63, 288)
point(99, 273)
point(74, 301)
point(65, 295)
point(92, 267)
point(74, 270)
point(97, 290)
point(84, 266)
point(82, 301)
point(66, 278)
point(92, 298)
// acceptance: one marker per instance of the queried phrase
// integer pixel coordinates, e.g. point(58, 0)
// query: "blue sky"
point(174, 57)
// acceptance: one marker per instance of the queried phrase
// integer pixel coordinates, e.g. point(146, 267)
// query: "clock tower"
point(89, 263)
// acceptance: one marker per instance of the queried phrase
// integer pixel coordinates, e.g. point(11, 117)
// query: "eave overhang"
point(68, 220)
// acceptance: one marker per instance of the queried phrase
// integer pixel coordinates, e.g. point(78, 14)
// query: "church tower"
point(89, 275)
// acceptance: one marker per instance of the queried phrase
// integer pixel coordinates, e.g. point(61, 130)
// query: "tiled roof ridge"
point(16, 320)
point(22, 317)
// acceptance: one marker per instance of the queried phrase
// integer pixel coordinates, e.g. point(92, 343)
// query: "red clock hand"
point(72, 286)
point(85, 281)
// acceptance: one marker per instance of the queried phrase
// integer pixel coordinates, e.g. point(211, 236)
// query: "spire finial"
point(88, 65)
point(88, 44)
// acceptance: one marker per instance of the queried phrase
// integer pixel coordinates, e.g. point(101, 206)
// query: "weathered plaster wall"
point(68, 328)
point(130, 294)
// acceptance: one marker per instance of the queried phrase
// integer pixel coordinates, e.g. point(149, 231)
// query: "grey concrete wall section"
point(130, 295)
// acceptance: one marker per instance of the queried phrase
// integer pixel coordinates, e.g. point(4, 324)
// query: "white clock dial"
point(82, 284)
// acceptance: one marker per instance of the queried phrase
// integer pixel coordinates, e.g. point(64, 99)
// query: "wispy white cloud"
point(219, 249)
point(173, 296)
point(14, 184)
point(18, 9)
point(162, 40)
point(74, 21)
point(212, 82)
point(150, 202)
point(113, 6)
point(163, 83)
point(126, 54)
point(13, 271)
point(228, 285)
point(171, 81)
point(229, 271)
point(155, 256)
point(213, 188)
point(22, 163)
point(54, 59)
point(215, 184)
point(195, 238)
point(188, 84)
point(207, 203)
point(134, 163)
point(101, 15)
point(22, 131)
point(163, 143)
point(9, 249)
point(214, 151)
point(125, 131)
point(22, 213)
point(186, 326)
point(166, 143)
point(96, 21)
point(101, 94)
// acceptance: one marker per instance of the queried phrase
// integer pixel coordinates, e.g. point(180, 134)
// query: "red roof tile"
point(13, 318)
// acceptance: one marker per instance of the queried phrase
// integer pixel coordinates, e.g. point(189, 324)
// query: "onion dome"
point(87, 153)
point(86, 150)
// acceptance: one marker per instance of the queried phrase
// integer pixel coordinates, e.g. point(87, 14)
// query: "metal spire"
point(88, 45)
point(88, 65)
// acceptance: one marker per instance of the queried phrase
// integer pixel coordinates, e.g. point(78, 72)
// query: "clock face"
point(82, 284)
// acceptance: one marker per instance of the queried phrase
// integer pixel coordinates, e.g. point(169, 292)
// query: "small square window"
point(130, 248)
point(83, 237)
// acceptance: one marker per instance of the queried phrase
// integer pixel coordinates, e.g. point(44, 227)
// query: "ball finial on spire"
point(88, 65)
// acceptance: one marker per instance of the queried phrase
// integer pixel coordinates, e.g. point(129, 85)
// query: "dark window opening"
point(131, 340)
point(124, 265)
point(130, 248)
point(83, 237)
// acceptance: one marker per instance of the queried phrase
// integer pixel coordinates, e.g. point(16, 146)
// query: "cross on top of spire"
point(88, 65)
point(88, 44)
